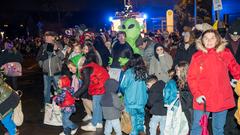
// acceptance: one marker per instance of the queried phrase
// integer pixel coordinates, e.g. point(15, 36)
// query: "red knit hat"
point(65, 81)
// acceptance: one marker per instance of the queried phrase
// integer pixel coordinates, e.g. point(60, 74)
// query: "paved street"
point(32, 85)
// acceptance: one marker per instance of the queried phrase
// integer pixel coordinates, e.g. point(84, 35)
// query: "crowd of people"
point(171, 77)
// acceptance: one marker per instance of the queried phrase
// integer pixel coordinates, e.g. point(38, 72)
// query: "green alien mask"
point(132, 29)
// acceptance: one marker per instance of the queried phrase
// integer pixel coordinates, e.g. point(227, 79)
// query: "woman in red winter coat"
point(208, 80)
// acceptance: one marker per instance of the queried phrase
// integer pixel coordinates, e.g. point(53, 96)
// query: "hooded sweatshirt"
point(110, 102)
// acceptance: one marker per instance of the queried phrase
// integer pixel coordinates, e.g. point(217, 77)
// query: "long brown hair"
point(182, 79)
point(191, 38)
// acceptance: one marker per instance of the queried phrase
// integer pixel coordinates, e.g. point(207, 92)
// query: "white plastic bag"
point(176, 121)
point(18, 116)
point(52, 115)
point(114, 73)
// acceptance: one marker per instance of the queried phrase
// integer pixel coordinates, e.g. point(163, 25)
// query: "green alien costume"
point(133, 30)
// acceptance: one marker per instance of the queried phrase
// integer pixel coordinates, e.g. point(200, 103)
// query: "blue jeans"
point(137, 119)
point(9, 124)
point(218, 122)
point(115, 124)
point(97, 110)
point(47, 86)
point(68, 125)
point(155, 121)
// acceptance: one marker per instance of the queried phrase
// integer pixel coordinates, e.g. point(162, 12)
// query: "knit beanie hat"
point(65, 81)
point(75, 60)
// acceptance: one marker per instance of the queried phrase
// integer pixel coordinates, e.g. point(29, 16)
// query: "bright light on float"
point(110, 19)
point(145, 16)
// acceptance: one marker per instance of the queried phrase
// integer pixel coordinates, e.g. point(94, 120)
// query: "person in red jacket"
point(66, 101)
point(209, 81)
point(94, 77)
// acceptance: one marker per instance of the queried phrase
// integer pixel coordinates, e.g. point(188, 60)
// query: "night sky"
point(56, 14)
point(73, 11)
point(91, 12)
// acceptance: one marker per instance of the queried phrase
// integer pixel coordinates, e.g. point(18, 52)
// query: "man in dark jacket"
point(156, 104)
point(50, 59)
point(121, 49)
point(234, 41)
point(232, 128)
point(147, 50)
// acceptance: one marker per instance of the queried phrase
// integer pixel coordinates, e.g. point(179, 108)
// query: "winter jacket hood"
point(208, 76)
point(155, 100)
point(220, 48)
point(111, 86)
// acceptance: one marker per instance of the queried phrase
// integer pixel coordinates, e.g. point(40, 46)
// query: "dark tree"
point(184, 12)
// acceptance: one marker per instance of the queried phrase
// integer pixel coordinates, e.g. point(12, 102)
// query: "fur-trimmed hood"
point(220, 48)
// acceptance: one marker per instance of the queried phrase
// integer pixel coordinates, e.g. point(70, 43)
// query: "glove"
point(123, 61)
point(200, 99)
point(110, 60)
point(233, 83)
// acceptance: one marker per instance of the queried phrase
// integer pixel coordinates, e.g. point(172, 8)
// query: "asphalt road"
point(31, 83)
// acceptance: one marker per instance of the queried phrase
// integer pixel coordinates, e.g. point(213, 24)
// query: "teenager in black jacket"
point(156, 104)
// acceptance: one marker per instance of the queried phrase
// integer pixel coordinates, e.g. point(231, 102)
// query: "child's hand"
point(233, 83)
point(166, 105)
point(76, 98)
point(54, 98)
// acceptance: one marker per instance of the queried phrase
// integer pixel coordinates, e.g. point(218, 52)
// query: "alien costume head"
point(132, 29)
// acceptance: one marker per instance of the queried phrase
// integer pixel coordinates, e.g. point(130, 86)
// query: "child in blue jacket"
point(134, 89)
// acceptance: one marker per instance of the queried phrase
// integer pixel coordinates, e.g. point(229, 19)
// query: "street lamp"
point(2, 33)
point(145, 16)
point(195, 12)
point(110, 19)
